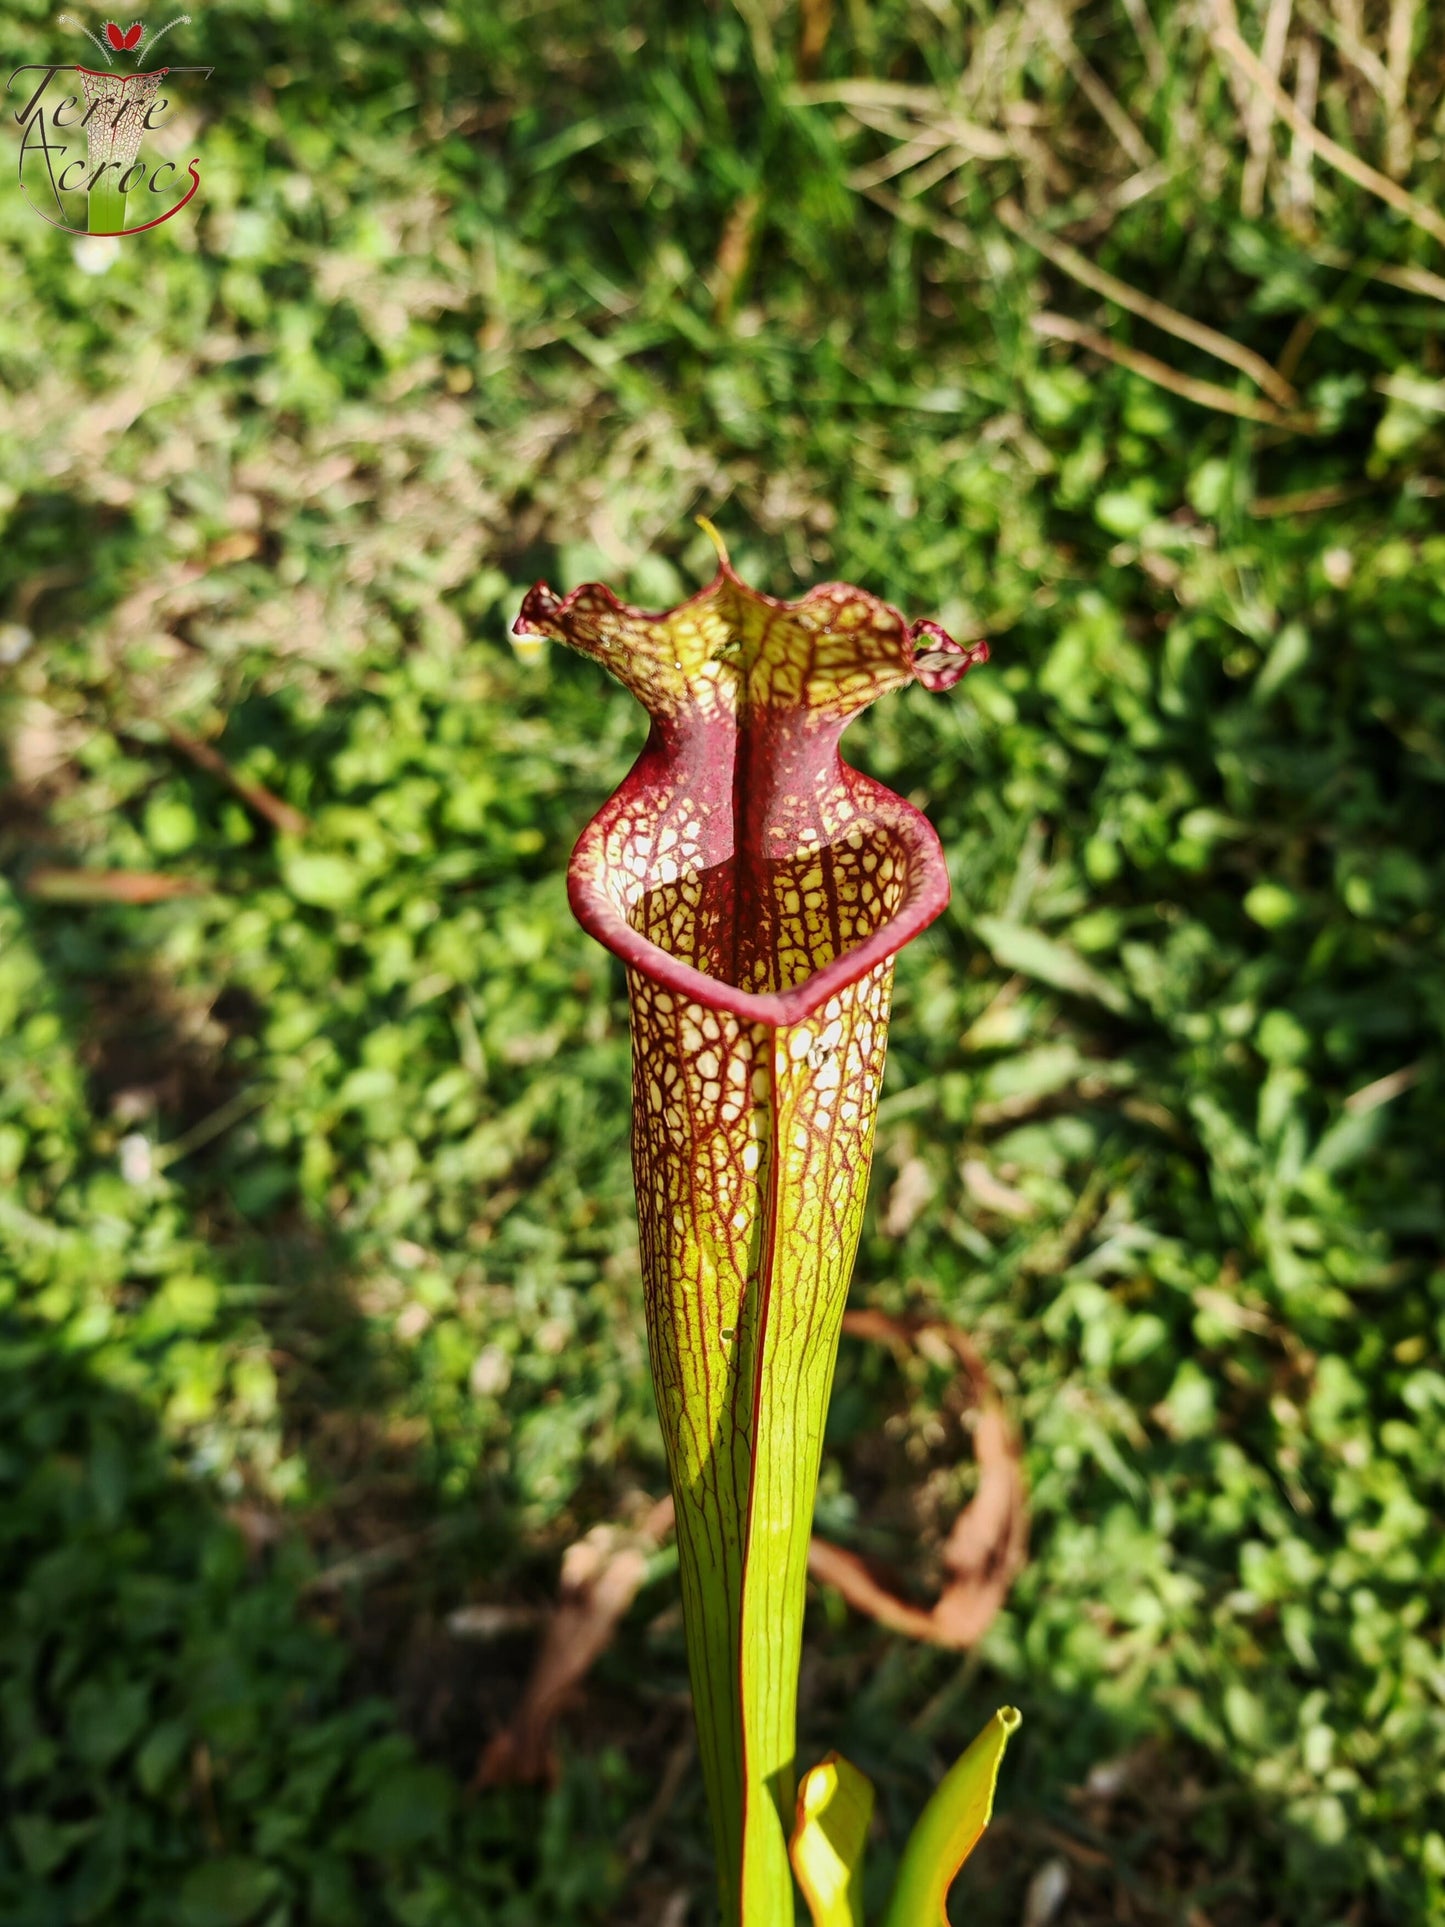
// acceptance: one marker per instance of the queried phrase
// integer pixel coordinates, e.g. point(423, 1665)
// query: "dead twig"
point(1308, 501)
point(1371, 1096)
point(914, 215)
point(1399, 129)
point(865, 93)
point(1099, 96)
point(1101, 282)
point(1346, 41)
point(211, 1127)
point(1147, 35)
point(1306, 99)
point(637, 1840)
point(907, 154)
point(989, 1540)
point(53, 885)
point(1258, 119)
point(815, 23)
point(358, 1569)
point(1094, 214)
point(280, 815)
point(1412, 280)
point(601, 1576)
point(932, 126)
point(1340, 158)
point(734, 252)
point(1207, 394)
point(1300, 336)
point(948, 161)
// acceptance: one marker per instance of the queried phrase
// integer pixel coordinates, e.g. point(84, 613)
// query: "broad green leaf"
point(835, 1804)
point(949, 1829)
point(105, 1717)
point(226, 1892)
point(1017, 947)
point(409, 1806)
point(321, 878)
point(45, 1843)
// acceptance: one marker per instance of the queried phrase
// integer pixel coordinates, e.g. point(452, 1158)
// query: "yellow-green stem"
point(752, 1147)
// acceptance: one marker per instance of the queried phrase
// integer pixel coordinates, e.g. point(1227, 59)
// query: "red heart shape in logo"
point(123, 42)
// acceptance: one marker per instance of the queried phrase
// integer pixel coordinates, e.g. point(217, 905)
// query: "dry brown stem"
point(280, 815)
point(1350, 165)
point(989, 1540)
point(1208, 394)
point(1306, 98)
point(1100, 281)
point(1258, 119)
point(1399, 130)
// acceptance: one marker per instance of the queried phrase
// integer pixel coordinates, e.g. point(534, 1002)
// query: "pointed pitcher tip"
point(712, 535)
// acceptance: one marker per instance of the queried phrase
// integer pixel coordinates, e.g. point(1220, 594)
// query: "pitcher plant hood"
point(743, 863)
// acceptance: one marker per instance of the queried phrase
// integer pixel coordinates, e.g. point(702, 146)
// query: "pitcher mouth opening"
point(769, 940)
point(742, 862)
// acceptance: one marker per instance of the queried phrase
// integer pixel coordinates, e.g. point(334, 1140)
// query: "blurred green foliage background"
point(321, 1315)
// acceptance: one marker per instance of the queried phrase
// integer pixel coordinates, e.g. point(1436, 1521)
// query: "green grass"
point(317, 1234)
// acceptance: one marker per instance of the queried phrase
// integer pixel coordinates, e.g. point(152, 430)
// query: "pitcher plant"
point(757, 889)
